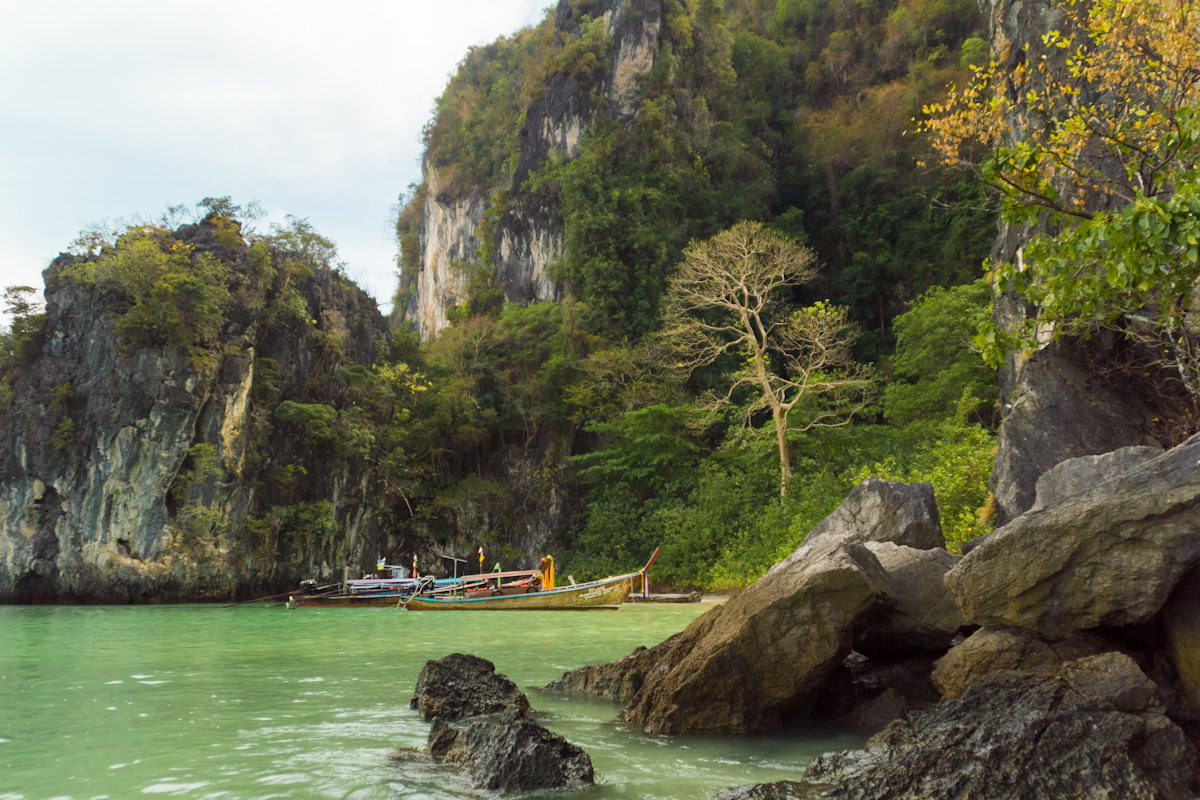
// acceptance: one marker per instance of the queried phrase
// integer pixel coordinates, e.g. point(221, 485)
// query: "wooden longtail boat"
point(393, 592)
point(606, 593)
point(517, 590)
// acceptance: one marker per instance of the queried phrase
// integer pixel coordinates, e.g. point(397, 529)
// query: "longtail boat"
point(516, 590)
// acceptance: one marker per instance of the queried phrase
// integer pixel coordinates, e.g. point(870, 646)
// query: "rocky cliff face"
point(1071, 398)
point(143, 473)
point(528, 238)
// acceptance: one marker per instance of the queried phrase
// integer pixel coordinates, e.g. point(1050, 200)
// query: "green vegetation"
point(789, 114)
point(651, 406)
point(1109, 176)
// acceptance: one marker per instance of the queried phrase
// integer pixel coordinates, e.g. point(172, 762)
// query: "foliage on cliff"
point(1105, 161)
point(787, 112)
point(790, 113)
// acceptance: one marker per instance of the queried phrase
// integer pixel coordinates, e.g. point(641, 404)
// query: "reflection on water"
point(256, 702)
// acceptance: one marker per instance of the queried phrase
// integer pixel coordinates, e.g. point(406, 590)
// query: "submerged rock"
point(510, 752)
point(480, 723)
point(1092, 728)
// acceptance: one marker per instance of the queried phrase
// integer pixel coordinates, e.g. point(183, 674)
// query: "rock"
point(1090, 728)
point(884, 511)
point(509, 752)
point(722, 673)
point(868, 693)
point(781, 790)
point(925, 616)
point(1059, 408)
point(480, 723)
point(1076, 476)
point(619, 680)
point(1110, 556)
point(460, 686)
point(989, 650)
point(1181, 621)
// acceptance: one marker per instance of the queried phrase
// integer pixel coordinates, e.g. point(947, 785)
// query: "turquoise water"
point(259, 702)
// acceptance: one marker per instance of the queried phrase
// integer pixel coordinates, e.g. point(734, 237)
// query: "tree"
point(1092, 135)
point(728, 298)
point(936, 371)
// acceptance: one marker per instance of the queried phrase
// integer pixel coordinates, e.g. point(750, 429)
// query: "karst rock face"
point(528, 236)
point(112, 512)
point(1068, 399)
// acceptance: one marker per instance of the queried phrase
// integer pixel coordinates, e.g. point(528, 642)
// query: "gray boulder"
point(925, 616)
point(1109, 556)
point(1059, 407)
point(885, 511)
point(1076, 476)
point(759, 660)
point(1091, 729)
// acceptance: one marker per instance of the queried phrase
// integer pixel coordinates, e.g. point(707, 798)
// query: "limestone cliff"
point(1070, 398)
point(527, 236)
point(132, 473)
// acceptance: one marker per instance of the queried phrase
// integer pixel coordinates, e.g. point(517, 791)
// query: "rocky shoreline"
point(1057, 658)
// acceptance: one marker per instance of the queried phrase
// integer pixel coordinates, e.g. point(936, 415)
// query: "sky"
point(113, 110)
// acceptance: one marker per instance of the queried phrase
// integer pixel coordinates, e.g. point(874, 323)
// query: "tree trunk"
point(785, 459)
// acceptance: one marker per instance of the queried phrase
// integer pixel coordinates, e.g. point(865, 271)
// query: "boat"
point(684, 597)
point(607, 593)
point(514, 590)
point(384, 592)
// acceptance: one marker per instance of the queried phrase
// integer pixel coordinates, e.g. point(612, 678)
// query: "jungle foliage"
point(789, 113)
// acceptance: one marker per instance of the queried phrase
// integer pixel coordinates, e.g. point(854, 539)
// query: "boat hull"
point(600, 594)
point(346, 600)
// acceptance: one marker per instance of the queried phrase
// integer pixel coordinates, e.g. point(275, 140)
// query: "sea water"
point(257, 702)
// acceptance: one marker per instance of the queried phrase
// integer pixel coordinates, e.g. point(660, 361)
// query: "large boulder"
point(460, 686)
point(1091, 728)
point(1076, 476)
point(925, 616)
point(509, 752)
point(989, 650)
point(1108, 556)
point(885, 511)
point(725, 674)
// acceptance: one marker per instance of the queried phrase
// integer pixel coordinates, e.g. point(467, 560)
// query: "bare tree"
point(728, 297)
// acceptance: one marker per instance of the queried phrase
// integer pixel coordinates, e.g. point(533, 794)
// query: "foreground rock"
point(780, 790)
point(1110, 556)
point(480, 723)
point(1091, 728)
point(510, 752)
point(758, 661)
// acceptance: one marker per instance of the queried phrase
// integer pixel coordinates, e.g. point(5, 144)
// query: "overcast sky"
point(115, 109)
